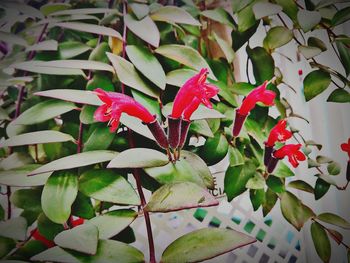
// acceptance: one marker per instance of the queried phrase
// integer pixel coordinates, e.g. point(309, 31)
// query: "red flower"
point(278, 133)
point(117, 103)
point(259, 94)
point(37, 236)
point(346, 147)
point(292, 151)
point(195, 87)
point(76, 222)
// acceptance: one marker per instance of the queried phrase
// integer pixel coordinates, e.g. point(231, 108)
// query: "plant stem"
point(80, 138)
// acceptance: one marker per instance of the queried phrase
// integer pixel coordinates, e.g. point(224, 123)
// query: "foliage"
point(53, 56)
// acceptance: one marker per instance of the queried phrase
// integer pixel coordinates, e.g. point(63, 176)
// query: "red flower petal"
point(100, 113)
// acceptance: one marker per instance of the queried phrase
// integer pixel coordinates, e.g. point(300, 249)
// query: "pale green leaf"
point(14, 228)
point(174, 14)
point(90, 28)
point(18, 177)
point(48, 45)
point(262, 9)
point(308, 19)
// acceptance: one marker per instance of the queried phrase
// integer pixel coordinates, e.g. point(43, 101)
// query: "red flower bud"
point(195, 87)
point(292, 151)
point(158, 133)
point(259, 94)
point(278, 133)
point(117, 103)
point(346, 147)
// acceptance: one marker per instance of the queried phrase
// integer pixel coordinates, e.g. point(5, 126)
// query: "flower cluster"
point(259, 94)
point(193, 93)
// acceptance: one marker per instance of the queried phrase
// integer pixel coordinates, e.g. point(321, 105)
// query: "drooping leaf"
point(95, 29)
point(340, 96)
point(108, 186)
point(321, 188)
point(44, 111)
point(174, 14)
point(278, 36)
point(334, 220)
point(128, 75)
point(111, 223)
point(145, 29)
point(14, 228)
point(145, 158)
point(301, 185)
point(235, 156)
point(76, 160)
point(58, 195)
point(341, 16)
point(294, 210)
point(276, 184)
point(263, 64)
point(257, 197)
point(204, 244)
point(107, 251)
point(246, 18)
point(225, 47)
point(178, 196)
point(262, 9)
point(270, 200)
point(315, 83)
point(308, 19)
point(83, 238)
point(147, 64)
point(37, 138)
point(185, 55)
point(344, 54)
point(321, 241)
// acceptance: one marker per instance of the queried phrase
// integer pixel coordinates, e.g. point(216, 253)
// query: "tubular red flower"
point(346, 147)
point(292, 151)
point(260, 94)
point(278, 133)
point(195, 87)
point(117, 103)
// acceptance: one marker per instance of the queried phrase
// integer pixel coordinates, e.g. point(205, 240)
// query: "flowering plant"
point(115, 113)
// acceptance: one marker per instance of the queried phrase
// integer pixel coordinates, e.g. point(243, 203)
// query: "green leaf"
point(341, 16)
point(76, 160)
point(128, 75)
point(185, 55)
point(276, 184)
point(27, 199)
point(333, 168)
point(283, 170)
point(334, 220)
point(147, 64)
point(47, 45)
point(174, 14)
point(344, 54)
point(312, 163)
point(83, 238)
point(246, 18)
point(77, 96)
point(12, 39)
point(178, 196)
point(225, 47)
point(201, 127)
point(257, 197)
point(53, 7)
point(339, 95)
point(236, 178)
point(270, 201)
point(290, 8)
point(256, 182)
point(316, 42)
point(78, 64)
point(278, 36)
point(111, 223)
point(219, 15)
point(37, 138)
point(44, 111)
point(240, 4)
point(227, 93)
point(309, 52)
point(15, 160)
point(108, 186)
point(263, 64)
point(323, 159)
point(82, 207)
point(85, 11)
point(204, 244)
point(242, 88)
point(321, 188)
point(18, 177)
point(140, 10)
point(100, 139)
point(42, 67)
point(301, 185)
point(14, 228)
point(321, 241)
point(201, 113)
point(136, 125)
point(308, 19)
point(107, 251)
point(262, 9)
point(315, 83)
point(47, 228)
point(145, 29)
point(145, 158)
point(90, 28)
point(240, 38)
point(178, 77)
point(71, 49)
point(214, 149)
point(150, 104)
point(235, 156)
point(58, 195)
point(199, 166)
point(86, 115)
point(7, 245)
point(181, 171)
point(99, 53)
point(294, 211)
